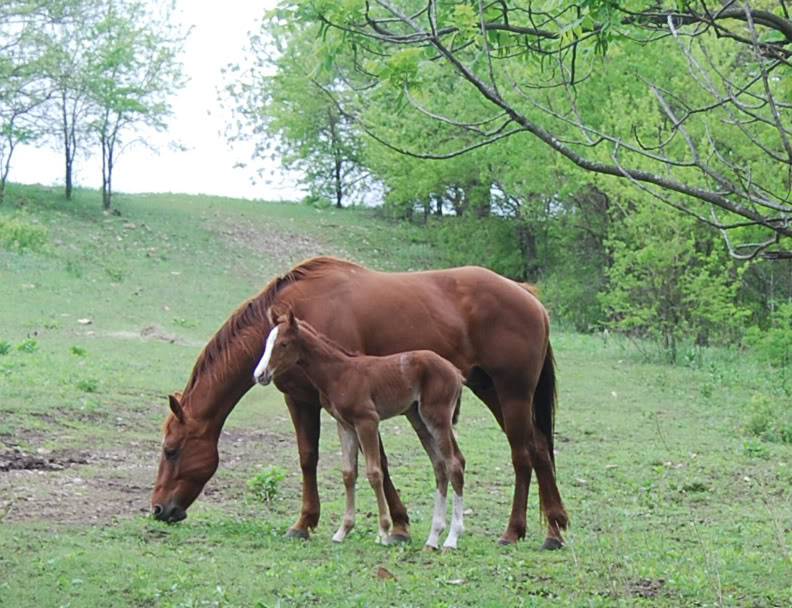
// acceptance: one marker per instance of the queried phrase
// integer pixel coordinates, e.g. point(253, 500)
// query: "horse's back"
point(469, 315)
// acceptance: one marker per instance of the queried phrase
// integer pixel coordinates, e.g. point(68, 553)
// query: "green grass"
point(675, 499)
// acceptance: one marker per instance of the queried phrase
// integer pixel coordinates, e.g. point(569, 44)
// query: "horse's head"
point(281, 350)
point(189, 458)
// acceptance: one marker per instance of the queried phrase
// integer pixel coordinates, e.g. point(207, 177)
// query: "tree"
point(69, 35)
point(278, 101)
point(133, 70)
point(23, 88)
point(715, 141)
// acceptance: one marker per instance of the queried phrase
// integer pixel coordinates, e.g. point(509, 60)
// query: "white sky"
point(218, 37)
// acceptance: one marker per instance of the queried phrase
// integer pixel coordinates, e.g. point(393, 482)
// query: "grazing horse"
point(494, 330)
point(359, 391)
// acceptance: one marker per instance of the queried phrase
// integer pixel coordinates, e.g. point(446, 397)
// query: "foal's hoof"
point(552, 544)
point(395, 539)
point(505, 541)
point(297, 533)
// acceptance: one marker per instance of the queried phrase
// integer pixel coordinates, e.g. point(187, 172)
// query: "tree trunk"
point(67, 146)
point(338, 189)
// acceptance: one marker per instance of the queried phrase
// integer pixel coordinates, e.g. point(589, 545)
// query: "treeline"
point(641, 175)
point(84, 74)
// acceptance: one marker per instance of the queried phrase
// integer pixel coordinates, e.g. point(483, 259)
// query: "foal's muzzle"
point(264, 378)
point(168, 513)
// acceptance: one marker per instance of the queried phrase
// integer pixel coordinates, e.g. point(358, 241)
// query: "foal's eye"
point(170, 453)
point(282, 345)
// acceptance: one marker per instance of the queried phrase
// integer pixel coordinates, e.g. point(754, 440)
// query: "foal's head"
point(189, 459)
point(281, 350)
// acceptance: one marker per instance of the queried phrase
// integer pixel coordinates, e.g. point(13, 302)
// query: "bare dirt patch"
point(646, 587)
point(103, 484)
point(17, 460)
point(275, 243)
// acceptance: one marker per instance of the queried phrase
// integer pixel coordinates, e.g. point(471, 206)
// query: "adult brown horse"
point(495, 330)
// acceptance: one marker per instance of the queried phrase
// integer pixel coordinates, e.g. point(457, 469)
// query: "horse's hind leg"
point(441, 478)
point(349, 454)
point(518, 428)
point(529, 451)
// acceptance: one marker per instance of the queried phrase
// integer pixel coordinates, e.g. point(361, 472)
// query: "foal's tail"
point(544, 402)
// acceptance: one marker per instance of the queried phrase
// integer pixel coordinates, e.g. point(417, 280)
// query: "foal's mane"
point(254, 312)
point(304, 325)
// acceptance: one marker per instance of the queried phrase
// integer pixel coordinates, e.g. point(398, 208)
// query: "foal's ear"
point(292, 319)
point(273, 316)
point(175, 406)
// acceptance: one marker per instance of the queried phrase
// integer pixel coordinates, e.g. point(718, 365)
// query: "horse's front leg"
point(305, 417)
point(349, 464)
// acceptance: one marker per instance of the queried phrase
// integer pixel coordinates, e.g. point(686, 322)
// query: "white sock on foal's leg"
point(457, 525)
point(438, 521)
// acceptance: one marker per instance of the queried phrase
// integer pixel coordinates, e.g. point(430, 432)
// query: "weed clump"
point(265, 485)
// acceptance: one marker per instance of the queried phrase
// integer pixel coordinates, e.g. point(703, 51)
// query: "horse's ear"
point(292, 319)
point(273, 316)
point(175, 406)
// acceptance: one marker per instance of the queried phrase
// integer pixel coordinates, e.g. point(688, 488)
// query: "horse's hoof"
point(552, 544)
point(397, 539)
point(505, 541)
point(297, 533)
point(429, 548)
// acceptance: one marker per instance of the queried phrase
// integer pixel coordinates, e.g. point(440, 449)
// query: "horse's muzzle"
point(169, 513)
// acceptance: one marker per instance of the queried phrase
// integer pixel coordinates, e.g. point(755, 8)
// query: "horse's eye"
point(282, 345)
point(170, 453)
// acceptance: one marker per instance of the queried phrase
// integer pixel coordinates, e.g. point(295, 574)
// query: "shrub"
point(770, 419)
point(264, 486)
point(5, 347)
point(19, 235)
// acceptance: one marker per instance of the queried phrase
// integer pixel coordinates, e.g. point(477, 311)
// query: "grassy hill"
point(673, 501)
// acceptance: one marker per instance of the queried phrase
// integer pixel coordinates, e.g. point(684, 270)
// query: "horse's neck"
point(220, 387)
point(320, 361)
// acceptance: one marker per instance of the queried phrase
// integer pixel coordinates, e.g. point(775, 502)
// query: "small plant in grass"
point(28, 346)
point(78, 351)
point(265, 484)
point(756, 449)
point(5, 347)
point(116, 275)
point(88, 385)
point(186, 323)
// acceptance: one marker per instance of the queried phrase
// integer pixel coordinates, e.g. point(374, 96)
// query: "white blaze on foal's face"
point(262, 375)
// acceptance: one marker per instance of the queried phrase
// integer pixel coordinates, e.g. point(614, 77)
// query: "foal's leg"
point(455, 465)
point(368, 437)
point(441, 478)
point(349, 453)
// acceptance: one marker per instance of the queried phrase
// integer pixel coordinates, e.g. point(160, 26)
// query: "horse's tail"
point(544, 401)
point(455, 417)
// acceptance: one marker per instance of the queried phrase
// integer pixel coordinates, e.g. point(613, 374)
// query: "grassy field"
point(673, 501)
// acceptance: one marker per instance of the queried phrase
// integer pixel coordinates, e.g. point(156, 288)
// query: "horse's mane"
point(255, 311)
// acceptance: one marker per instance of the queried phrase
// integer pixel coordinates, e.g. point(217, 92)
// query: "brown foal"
point(359, 391)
